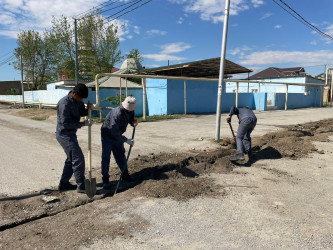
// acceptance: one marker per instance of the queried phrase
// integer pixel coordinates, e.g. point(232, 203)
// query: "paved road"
point(31, 159)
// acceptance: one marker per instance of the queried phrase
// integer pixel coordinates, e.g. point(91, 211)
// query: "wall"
point(6, 86)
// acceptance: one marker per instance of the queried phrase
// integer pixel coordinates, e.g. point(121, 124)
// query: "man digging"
point(112, 130)
point(69, 110)
point(247, 122)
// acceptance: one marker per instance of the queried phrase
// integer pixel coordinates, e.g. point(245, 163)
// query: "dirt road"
point(183, 198)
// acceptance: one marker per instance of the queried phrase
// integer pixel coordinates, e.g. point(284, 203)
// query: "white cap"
point(129, 103)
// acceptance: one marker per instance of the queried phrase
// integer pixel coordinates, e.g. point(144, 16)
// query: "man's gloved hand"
point(88, 122)
point(130, 142)
point(229, 119)
point(135, 123)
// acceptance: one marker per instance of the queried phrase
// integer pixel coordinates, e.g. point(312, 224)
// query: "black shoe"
point(63, 186)
point(106, 183)
point(127, 177)
point(237, 157)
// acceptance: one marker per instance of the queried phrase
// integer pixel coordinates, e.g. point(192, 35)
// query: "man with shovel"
point(247, 122)
point(112, 130)
point(69, 110)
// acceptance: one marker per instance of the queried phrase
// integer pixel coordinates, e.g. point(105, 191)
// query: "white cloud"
point(180, 20)
point(17, 15)
point(213, 10)
point(155, 32)
point(136, 30)
point(278, 26)
point(239, 51)
point(163, 57)
point(257, 3)
point(297, 57)
point(266, 15)
point(174, 48)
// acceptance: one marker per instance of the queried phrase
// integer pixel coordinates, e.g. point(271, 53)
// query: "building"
point(299, 96)
point(11, 87)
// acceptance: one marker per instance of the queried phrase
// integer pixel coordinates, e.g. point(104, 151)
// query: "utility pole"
point(76, 57)
point(221, 75)
point(22, 86)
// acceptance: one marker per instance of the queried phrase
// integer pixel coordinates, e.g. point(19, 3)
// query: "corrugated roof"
point(203, 68)
point(113, 82)
point(278, 73)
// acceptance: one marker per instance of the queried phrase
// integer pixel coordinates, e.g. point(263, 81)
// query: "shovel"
point(122, 172)
point(232, 131)
point(90, 184)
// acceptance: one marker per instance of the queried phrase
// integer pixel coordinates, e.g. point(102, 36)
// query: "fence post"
point(259, 97)
point(286, 102)
point(237, 86)
point(185, 97)
point(143, 81)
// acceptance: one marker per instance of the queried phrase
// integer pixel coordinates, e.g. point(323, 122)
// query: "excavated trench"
point(177, 176)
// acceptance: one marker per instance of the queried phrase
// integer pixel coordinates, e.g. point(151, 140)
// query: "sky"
point(260, 33)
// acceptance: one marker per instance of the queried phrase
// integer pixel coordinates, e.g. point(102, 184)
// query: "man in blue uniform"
point(69, 110)
point(247, 122)
point(112, 130)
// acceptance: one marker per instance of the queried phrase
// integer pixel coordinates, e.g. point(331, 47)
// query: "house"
point(299, 96)
point(11, 87)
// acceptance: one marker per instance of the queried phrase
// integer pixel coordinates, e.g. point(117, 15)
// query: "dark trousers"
point(243, 138)
point(117, 148)
point(75, 159)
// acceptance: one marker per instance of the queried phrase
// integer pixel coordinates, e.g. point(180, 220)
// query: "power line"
point(91, 10)
point(127, 12)
point(123, 9)
point(301, 19)
point(7, 60)
point(7, 54)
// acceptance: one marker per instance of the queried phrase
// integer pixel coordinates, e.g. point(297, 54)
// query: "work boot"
point(63, 186)
point(237, 157)
point(127, 177)
point(106, 183)
point(81, 189)
point(249, 154)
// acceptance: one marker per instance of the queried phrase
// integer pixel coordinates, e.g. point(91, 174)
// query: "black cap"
point(81, 90)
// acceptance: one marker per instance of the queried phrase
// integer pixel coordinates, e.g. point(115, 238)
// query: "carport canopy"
point(209, 68)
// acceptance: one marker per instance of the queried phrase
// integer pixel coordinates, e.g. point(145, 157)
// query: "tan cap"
point(129, 103)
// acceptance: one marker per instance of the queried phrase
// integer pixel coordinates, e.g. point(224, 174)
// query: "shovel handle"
point(89, 145)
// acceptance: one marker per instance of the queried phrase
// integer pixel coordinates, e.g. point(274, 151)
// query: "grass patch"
point(38, 118)
point(155, 118)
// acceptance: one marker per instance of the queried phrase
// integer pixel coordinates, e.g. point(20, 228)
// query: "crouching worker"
point(247, 122)
point(112, 130)
point(69, 110)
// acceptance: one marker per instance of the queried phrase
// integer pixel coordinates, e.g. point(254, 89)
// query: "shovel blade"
point(90, 186)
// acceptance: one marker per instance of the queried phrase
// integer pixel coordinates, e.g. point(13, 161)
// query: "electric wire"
point(301, 19)
point(91, 10)
point(127, 12)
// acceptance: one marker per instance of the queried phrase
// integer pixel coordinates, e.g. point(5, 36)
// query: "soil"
point(177, 176)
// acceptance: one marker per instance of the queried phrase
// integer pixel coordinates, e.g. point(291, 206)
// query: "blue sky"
point(261, 34)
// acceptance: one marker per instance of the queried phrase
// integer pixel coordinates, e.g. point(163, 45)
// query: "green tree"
point(134, 53)
point(37, 56)
point(115, 100)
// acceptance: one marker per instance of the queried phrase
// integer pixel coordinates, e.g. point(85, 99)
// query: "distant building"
point(11, 87)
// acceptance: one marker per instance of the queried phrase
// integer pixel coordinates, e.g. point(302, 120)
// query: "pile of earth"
point(177, 176)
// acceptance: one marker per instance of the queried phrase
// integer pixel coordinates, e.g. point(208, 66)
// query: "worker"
point(247, 122)
point(112, 130)
point(69, 110)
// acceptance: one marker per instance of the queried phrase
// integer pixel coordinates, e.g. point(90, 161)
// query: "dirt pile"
point(178, 176)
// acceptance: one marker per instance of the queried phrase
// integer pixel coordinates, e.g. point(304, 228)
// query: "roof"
point(113, 82)
point(204, 68)
point(279, 72)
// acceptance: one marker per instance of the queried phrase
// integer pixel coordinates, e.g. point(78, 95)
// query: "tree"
point(97, 46)
point(37, 56)
point(134, 53)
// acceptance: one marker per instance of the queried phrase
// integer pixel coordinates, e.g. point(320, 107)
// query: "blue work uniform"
point(247, 122)
point(112, 130)
point(69, 112)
